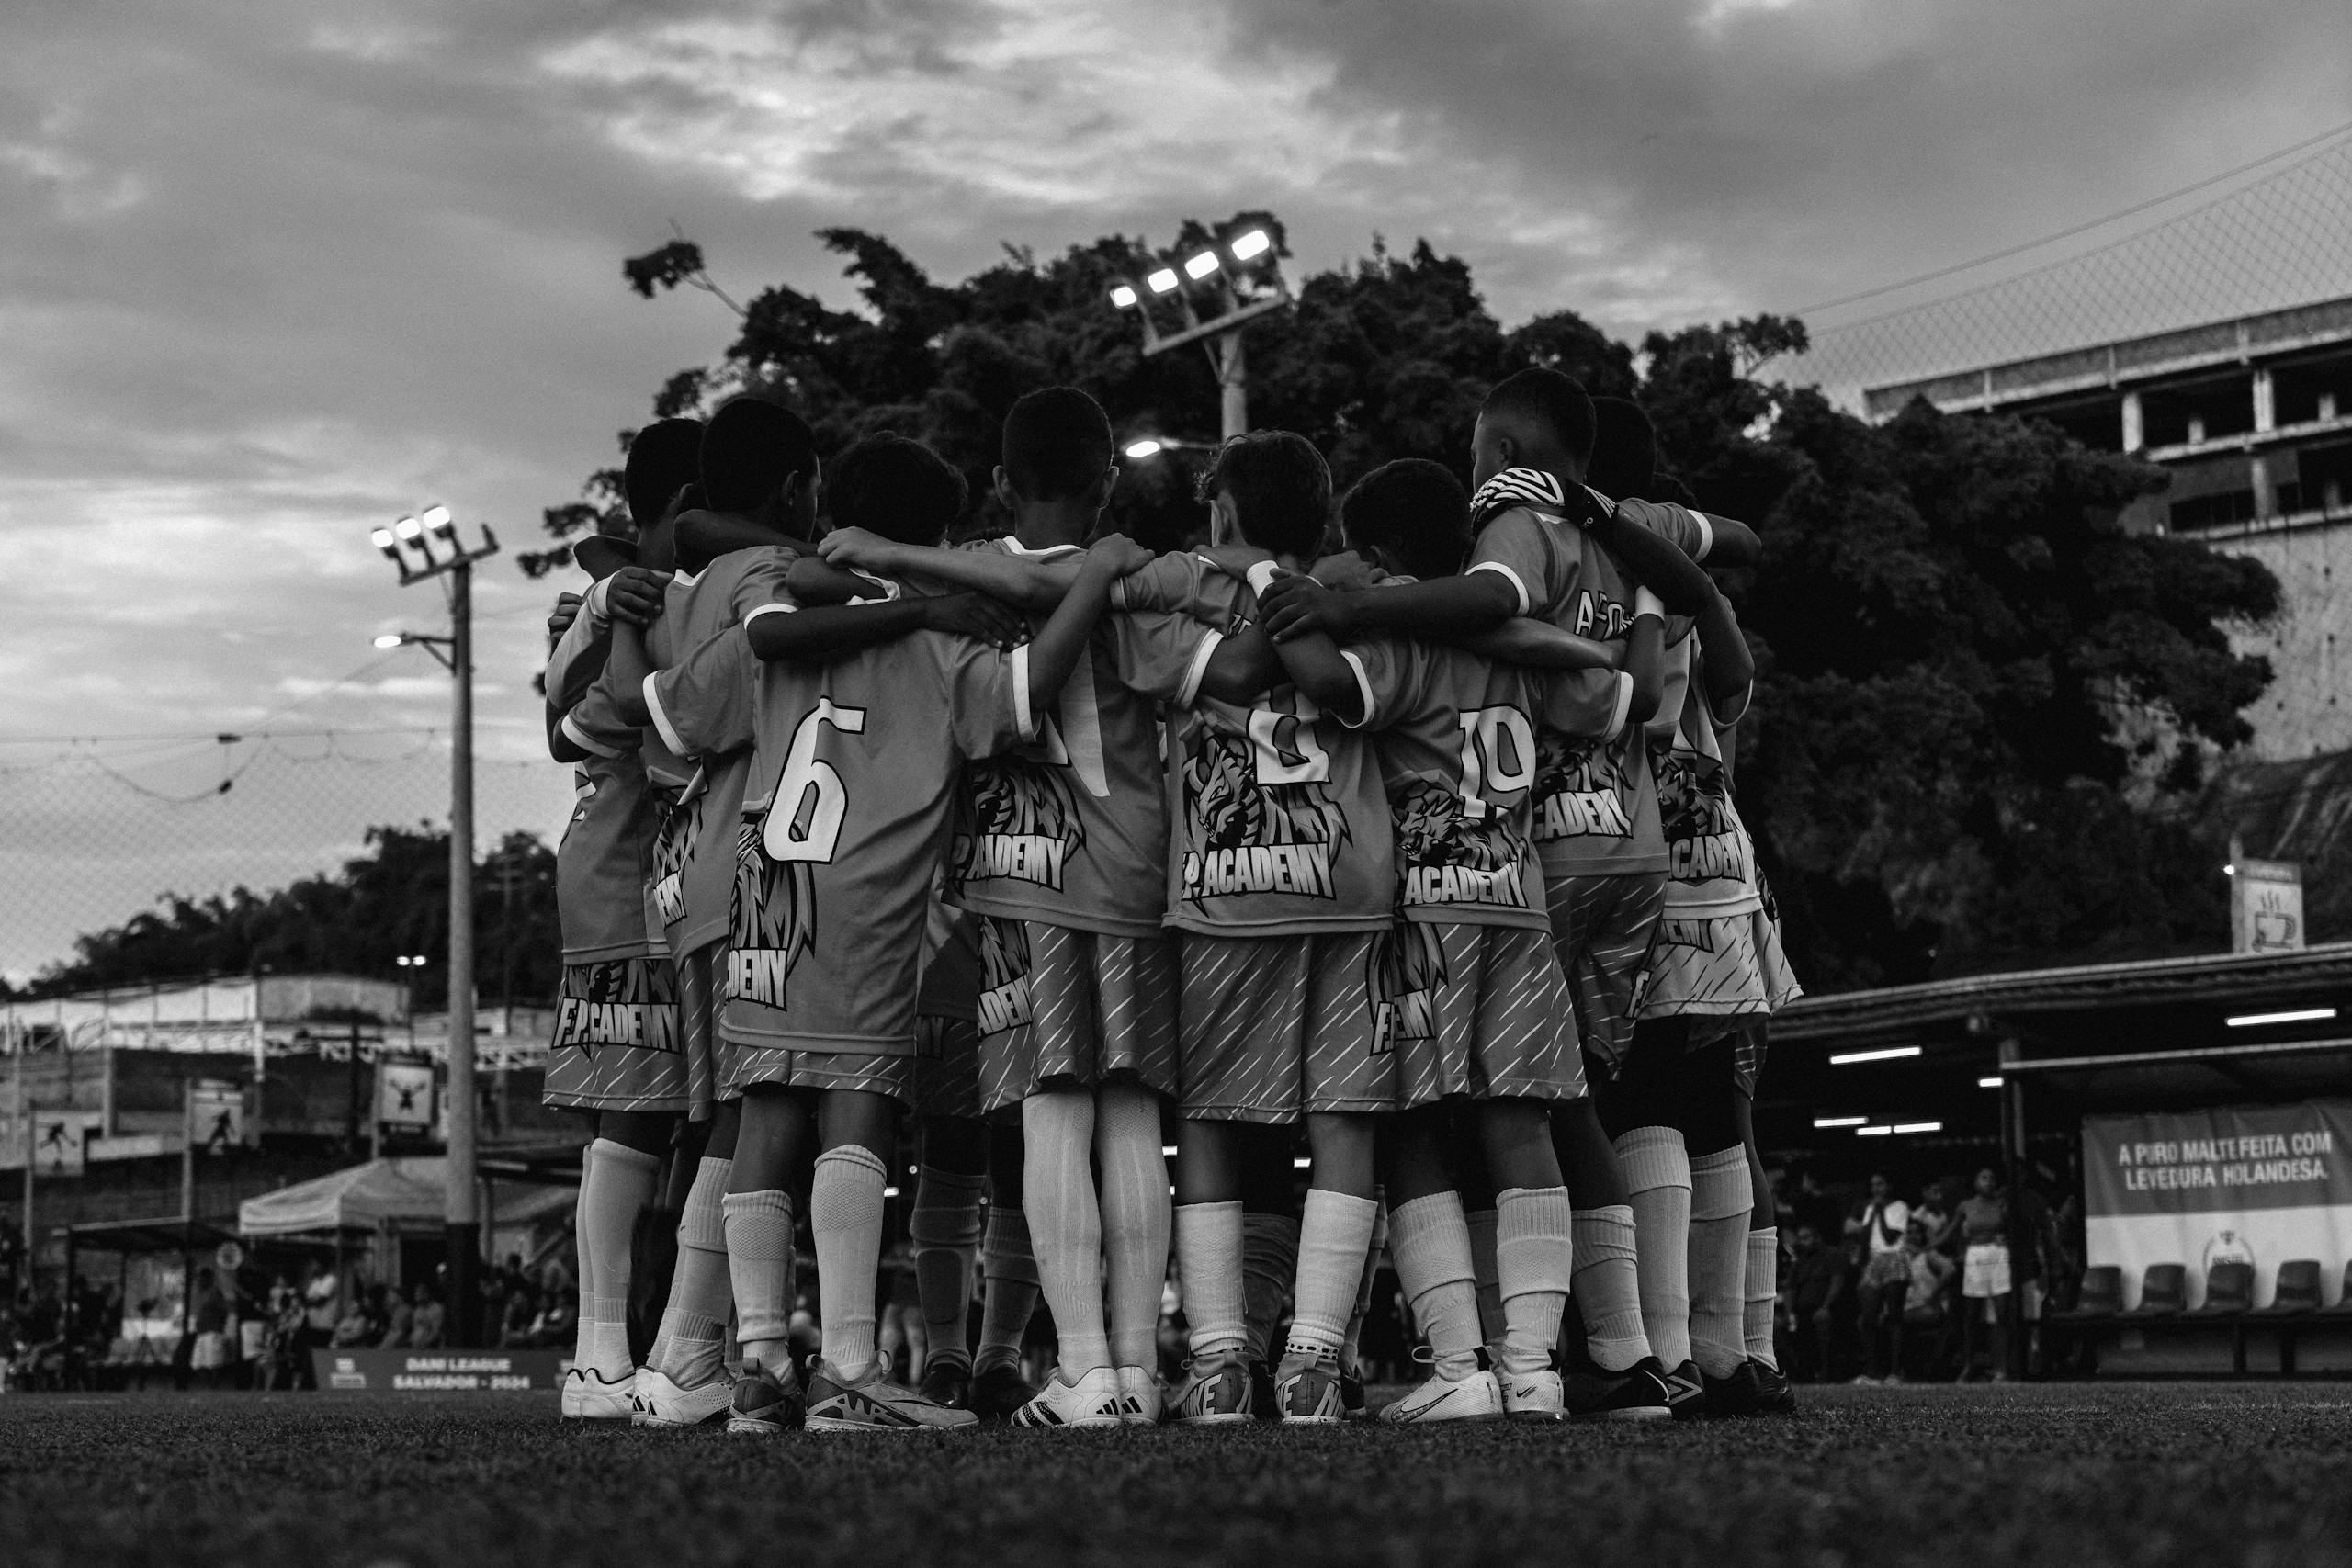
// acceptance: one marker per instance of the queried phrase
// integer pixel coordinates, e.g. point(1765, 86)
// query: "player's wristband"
point(1648, 604)
point(1261, 577)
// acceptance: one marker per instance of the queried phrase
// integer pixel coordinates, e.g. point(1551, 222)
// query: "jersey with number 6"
point(844, 819)
point(1458, 755)
point(1278, 823)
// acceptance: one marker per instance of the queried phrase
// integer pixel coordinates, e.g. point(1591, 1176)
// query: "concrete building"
point(2253, 418)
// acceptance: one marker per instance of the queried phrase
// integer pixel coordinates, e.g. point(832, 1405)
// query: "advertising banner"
point(440, 1371)
point(2259, 1184)
point(404, 1095)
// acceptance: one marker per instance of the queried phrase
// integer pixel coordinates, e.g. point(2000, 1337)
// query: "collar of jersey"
point(1013, 544)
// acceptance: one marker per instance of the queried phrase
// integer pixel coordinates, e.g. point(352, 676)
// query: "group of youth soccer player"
point(1408, 822)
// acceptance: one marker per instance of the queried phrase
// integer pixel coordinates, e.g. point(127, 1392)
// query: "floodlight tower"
point(1242, 279)
point(461, 1215)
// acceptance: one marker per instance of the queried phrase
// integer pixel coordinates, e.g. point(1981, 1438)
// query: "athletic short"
point(1270, 1028)
point(1478, 1012)
point(699, 999)
point(1747, 1057)
point(617, 1043)
point(1073, 1006)
point(1722, 966)
point(1601, 928)
point(1984, 1271)
point(947, 1068)
point(780, 1067)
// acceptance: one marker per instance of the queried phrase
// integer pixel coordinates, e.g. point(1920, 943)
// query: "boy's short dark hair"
point(1281, 489)
point(1415, 511)
point(1624, 450)
point(895, 487)
point(664, 458)
point(1056, 445)
point(1556, 402)
point(751, 447)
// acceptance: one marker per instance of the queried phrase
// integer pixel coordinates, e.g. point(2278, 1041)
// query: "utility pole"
point(461, 1211)
point(1241, 279)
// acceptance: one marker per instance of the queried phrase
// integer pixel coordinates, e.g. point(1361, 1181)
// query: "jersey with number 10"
point(844, 819)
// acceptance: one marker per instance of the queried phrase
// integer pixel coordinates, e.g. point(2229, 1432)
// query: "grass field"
point(2064, 1475)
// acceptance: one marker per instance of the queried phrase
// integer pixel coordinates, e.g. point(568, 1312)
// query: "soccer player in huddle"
point(855, 750)
point(613, 1053)
point(1060, 848)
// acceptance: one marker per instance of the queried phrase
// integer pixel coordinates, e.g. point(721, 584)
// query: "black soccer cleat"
point(1351, 1396)
point(947, 1383)
point(1686, 1392)
point(1775, 1395)
point(1735, 1395)
point(997, 1391)
point(1637, 1394)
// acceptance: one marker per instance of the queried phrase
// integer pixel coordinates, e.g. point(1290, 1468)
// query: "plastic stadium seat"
point(2101, 1295)
point(2229, 1290)
point(2163, 1292)
point(2298, 1290)
point(2343, 1307)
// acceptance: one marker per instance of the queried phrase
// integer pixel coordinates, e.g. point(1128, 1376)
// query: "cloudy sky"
point(274, 271)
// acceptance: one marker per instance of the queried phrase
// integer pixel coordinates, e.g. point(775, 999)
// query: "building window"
point(2212, 510)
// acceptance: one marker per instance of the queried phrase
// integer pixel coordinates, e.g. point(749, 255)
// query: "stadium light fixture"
point(1220, 300)
point(1147, 447)
point(1880, 1132)
point(2293, 1015)
point(1993, 1082)
point(391, 640)
point(1887, 1053)
point(1302, 1163)
point(1840, 1121)
point(1162, 281)
point(1124, 297)
point(443, 525)
point(1253, 243)
point(1918, 1126)
point(408, 528)
point(1200, 267)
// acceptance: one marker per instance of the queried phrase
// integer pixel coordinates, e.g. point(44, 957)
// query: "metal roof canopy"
point(162, 1234)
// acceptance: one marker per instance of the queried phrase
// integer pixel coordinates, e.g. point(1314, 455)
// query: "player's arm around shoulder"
point(1031, 582)
point(1063, 640)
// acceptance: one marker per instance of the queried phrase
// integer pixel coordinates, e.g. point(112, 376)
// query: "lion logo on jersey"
point(1023, 824)
point(1402, 976)
point(1005, 974)
point(1580, 789)
point(1252, 837)
point(774, 920)
point(1702, 838)
point(1446, 856)
point(674, 845)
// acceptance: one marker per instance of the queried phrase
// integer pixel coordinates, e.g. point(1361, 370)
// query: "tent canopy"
point(400, 1190)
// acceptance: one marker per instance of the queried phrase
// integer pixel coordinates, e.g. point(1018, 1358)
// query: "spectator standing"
point(1986, 1289)
point(1927, 1304)
point(1878, 1230)
point(209, 1314)
point(1809, 1292)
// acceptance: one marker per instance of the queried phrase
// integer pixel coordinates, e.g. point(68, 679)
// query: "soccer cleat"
point(659, 1400)
point(1216, 1391)
point(1351, 1396)
point(874, 1404)
point(1538, 1395)
point(765, 1405)
point(1736, 1394)
point(1140, 1399)
point(998, 1390)
point(1092, 1401)
point(1477, 1398)
point(1637, 1394)
point(1775, 1394)
point(1306, 1391)
point(589, 1395)
point(1686, 1394)
point(1261, 1393)
point(947, 1383)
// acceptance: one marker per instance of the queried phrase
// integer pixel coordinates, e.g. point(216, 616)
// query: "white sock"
point(945, 1229)
point(1431, 1244)
point(1208, 1257)
point(1658, 1179)
point(758, 1262)
point(1352, 1348)
point(1010, 1272)
point(690, 1348)
point(1608, 1287)
point(1065, 1223)
point(1763, 1286)
point(1135, 1219)
point(1269, 1266)
point(1490, 1294)
point(1534, 1264)
point(584, 1247)
point(615, 1182)
point(845, 1212)
point(1332, 1235)
point(1721, 1195)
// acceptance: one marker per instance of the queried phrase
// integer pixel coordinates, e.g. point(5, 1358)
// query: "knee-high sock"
point(1269, 1266)
point(1010, 1271)
point(1534, 1264)
point(1350, 1349)
point(1763, 1287)
point(1065, 1224)
point(945, 1229)
point(845, 1210)
point(1208, 1256)
point(693, 1326)
point(1658, 1179)
point(759, 1261)
point(1431, 1244)
point(1608, 1287)
point(1135, 1219)
point(1332, 1237)
point(1490, 1296)
point(583, 1338)
point(1720, 1197)
point(615, 1182)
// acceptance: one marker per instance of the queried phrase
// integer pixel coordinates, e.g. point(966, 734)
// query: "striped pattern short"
point(698, 1005)
point(780, 1067)
point(1273, 1027)
point(1480, 1011)
point(1723, 966)
point(590, 1066)
point(1086, 1006)
point(1601, 928)
point(947, 1068)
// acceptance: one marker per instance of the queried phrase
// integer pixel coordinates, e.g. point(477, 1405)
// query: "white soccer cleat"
point(660, 1401)
point(1533, 1396)
point(1215, 1392)
point(874, 1404)
point(1092, 1401)
point(589, 1395)
point(1439, 1398)
point(1140, 1400)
